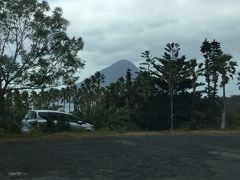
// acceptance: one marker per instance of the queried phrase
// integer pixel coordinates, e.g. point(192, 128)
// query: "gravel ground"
point(167, 157)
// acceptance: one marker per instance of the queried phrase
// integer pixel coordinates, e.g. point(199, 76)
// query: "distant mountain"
point(113, 72)
point(119, 69)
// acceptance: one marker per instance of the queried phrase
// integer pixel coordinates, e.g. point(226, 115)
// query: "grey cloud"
point(115, 30)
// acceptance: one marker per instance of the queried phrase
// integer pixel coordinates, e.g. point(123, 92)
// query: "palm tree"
point(98, 80)
point(226, 68)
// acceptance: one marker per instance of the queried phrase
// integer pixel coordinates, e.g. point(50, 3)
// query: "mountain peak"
point(119, 69)
point(123, 61)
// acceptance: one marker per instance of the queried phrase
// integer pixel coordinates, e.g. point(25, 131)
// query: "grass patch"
point(38, 135)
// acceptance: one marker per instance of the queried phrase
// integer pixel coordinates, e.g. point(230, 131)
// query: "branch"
point(1, 54)
point(19, 42)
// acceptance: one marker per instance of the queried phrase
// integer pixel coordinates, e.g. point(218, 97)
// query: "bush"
point(119, 119)
point(13, 126)
point(2, 132)
point(113, 118)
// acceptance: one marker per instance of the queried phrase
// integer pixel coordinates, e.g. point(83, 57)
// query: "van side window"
point(53, 116)
point(62, 117)
point(68, 118)
point(43, 115)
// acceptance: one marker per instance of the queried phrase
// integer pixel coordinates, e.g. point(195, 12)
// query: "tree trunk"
point(171, 109)
point(223, 122)
point(64, 104)
point(69, 105)
point(3, 122)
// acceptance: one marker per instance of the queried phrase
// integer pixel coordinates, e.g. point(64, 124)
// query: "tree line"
point(166, 94)
point(37, 55)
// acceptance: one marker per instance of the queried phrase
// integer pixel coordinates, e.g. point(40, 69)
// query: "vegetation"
point(147, 102)
point(36, 56)
point(35, 50)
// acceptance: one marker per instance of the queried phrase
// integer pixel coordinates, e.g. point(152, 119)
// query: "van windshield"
point(30, 115)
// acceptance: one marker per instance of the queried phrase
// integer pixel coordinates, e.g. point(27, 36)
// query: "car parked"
point(54, 119)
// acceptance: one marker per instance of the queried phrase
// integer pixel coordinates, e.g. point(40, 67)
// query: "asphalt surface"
point(167, 157)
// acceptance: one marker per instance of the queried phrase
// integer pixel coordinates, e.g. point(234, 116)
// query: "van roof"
point(44, 110)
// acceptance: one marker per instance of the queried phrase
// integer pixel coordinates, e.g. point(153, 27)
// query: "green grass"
point(37, 135)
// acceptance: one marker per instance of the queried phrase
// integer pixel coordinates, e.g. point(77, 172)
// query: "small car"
point(40, 117)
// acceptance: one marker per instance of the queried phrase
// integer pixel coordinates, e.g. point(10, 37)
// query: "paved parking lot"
point(167, 157)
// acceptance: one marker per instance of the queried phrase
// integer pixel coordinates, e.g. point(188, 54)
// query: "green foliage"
point(35, 50)
point(233, 111)
point(119, 119)
point(147, 102)
point(89, 94)
point(98, 116)
point(17, 104)
point(172, 71)
point(211, 51)
point(2, 132)
point(112, 118)
point(156, 113)
point(226, 68)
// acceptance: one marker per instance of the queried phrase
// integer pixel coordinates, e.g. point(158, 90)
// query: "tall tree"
point(98, 80)
point(129, 89)
point(35, 50)
point(226, 68)
point(211, 51)
point(145, 72)
point(147, 65)
point(171, 70)
point(144, 81)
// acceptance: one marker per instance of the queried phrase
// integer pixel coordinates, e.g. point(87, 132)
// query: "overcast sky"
point(114, 29)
